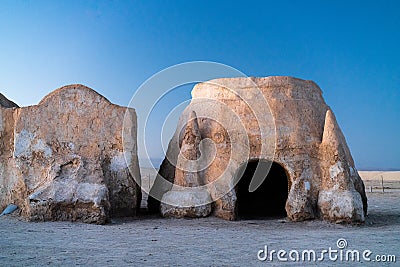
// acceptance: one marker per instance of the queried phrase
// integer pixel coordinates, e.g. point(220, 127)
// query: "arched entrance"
point(269, 199)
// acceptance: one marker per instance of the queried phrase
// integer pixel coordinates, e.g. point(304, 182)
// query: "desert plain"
point(149, 240)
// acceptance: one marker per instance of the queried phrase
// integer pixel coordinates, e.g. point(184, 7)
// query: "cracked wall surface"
point(303, 137)
point(63, 159)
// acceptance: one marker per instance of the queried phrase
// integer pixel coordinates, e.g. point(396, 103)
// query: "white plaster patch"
point(336, 169)
point(353, 171)
point(91, 192)
point(43, 147)
point(71, 146)
point(192, 200)
point(35, 195)
point(339, 205)
point(120, 161)
point(307, 185)
point(22, 144)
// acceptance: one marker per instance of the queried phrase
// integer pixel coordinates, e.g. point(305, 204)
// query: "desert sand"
point(373, 181)
point(154, 241)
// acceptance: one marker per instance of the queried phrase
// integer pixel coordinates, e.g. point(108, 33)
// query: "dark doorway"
point(269, 199)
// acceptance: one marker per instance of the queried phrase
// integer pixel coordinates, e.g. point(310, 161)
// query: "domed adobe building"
point(251, 147)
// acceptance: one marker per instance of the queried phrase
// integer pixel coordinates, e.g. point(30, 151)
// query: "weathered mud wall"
point(63, 159)
point(302, 136)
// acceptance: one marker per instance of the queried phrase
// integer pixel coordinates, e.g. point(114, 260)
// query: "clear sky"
point(351, 49)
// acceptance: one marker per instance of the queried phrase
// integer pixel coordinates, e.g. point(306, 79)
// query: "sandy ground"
point(374, 180)
point(153, 241)
point(376, 175)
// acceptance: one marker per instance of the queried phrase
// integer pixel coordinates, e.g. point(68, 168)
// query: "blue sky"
point(350, 48)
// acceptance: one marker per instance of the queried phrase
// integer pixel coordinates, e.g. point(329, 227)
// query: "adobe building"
point(64, 158)
point(250, 147)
